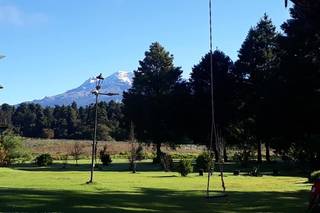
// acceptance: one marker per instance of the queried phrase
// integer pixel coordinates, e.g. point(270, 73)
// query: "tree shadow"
point(283, 168)
point(265, 168)
point(114, 167)
point(149, 200)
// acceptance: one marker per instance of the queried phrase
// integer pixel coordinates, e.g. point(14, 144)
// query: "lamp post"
point(96, 92)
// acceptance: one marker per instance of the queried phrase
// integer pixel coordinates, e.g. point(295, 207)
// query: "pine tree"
point(148, 102)
point(223, 94)
point(256, 66)
point(300, 67)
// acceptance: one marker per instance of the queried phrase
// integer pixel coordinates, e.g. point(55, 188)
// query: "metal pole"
point(213, 132)
point(94, 141)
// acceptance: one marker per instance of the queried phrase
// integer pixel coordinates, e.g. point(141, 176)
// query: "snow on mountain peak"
point(92, 80)
point(124, 77)
point(117, 83)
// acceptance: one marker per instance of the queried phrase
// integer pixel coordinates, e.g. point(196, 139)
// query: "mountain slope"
point(115, 83)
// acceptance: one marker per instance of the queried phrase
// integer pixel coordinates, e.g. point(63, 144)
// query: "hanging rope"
point(213, 131)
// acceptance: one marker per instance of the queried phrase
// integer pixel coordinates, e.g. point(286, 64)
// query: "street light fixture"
point(96, 92)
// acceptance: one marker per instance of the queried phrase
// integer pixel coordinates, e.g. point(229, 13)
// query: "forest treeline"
point(270, 96)
point(65, 122)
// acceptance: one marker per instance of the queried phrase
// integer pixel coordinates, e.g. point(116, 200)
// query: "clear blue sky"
point(54, 45)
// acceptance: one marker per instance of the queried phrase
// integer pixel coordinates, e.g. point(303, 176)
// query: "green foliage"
point(12, 149)
point(299, 69)
point(204, 161)
point(314, 175)
point(105, 157)
point(185, 167)
point(149, 103)
point(65, 122)
point(140, 153)
point(44, 160)
point(149, 155)
point(224, 95)
point(270, 96)
point(256, 72)
point(183, 156)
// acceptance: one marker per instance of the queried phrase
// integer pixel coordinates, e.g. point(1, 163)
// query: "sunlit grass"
point(34, 189)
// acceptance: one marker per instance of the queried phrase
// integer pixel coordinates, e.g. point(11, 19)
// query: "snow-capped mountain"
point(115, 83)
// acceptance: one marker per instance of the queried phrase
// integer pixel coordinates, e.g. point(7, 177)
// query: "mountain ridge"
point(117, 82)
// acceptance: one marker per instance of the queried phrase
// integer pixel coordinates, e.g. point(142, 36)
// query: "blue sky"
point(54, 45)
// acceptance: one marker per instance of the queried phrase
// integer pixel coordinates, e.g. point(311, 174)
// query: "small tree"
point(204, 161)
point(105, 156)
point(12, 149)
point(185, 167)
point(136, 153)
point(44, 160)
point(77, 151)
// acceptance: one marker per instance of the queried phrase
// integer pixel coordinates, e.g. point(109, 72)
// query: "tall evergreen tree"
point(300, 67)
point(223, 94)
point(148, 102)
point(256, 69)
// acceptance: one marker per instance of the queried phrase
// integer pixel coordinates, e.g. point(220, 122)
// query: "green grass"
point(32, 189)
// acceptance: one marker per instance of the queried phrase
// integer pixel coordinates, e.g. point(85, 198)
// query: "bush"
point(314, 175)
point(140, 153)
point(105, 157)
point(183, 156)
point(12, 149)
point(185, 167)
point(149, 155)
point(43, 160)
point(204, 161)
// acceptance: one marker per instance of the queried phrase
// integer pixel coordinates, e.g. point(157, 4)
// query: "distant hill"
point(117, 83)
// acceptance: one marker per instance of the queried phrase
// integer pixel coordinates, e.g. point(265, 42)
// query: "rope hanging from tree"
point(219, 146)
point(213, 130)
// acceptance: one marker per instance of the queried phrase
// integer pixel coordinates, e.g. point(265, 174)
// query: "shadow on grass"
point(149, 200)
point(116, 167)
point(284, 169)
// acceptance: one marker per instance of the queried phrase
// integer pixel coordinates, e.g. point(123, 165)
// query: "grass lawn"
point(31, 189)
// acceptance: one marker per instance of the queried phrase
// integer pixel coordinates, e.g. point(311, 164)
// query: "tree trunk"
point(225, 156)
point(216, 154)
point(268, 152)
point(158, 151)
point(259, 152)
